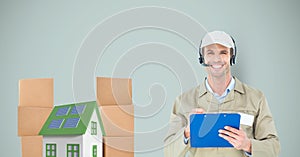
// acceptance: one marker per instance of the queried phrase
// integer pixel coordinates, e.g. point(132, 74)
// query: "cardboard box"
point(32, 146)
point(36, 92)
point(118, 120)
point(118, 147)
point(112, 91)
point(31, 120)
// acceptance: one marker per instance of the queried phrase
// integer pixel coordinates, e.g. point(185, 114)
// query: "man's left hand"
point(238, 138)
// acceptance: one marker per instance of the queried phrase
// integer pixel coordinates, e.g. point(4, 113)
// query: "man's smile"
point(217, 66)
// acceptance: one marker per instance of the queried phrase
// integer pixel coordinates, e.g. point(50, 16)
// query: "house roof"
point(71, 119)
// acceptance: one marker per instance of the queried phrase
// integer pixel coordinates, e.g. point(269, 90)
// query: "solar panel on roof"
point(62, 111)
point(78, 109)
point(71, 122)
point(55, 124)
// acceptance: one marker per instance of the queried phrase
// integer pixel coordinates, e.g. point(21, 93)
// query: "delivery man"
point(221, 92)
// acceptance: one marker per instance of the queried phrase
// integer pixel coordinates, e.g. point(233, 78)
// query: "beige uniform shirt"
point(242, 99)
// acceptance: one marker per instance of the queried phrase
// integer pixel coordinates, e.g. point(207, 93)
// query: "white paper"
point(246, 119)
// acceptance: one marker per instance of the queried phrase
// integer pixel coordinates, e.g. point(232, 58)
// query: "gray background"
point(42, 39)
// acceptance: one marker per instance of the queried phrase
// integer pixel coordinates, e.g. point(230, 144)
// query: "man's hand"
point(187, 129)
point(238, 138)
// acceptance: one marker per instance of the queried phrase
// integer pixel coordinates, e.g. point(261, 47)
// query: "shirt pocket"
point(248, 118)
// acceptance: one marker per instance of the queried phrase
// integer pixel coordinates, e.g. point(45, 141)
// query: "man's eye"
point(223, 52)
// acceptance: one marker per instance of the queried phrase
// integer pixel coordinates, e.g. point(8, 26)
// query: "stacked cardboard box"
point(35, 105)
point(114, 97)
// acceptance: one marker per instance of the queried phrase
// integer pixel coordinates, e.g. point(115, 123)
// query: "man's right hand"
point(187, 129)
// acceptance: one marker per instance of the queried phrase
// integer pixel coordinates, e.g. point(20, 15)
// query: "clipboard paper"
point(204, 129)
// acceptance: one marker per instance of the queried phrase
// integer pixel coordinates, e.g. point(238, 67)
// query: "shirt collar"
point(238, 87)
point(228, 89)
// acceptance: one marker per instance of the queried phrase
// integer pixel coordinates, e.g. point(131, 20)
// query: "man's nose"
point(217, 58)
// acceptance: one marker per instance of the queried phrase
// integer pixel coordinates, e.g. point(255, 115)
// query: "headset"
point(232, 58)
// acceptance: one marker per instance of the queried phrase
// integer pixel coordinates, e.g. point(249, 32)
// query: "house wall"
point(61, 144)
point(90, 140)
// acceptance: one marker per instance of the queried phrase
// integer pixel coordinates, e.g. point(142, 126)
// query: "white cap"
point(217, 37)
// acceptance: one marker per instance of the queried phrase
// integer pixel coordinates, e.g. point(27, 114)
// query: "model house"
point(73, 130)
point(90, 129)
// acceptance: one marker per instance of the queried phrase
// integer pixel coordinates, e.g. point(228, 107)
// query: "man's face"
point(218, 56)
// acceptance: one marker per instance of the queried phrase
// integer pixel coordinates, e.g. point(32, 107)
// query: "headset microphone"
point(201, 61)
point(206, 65)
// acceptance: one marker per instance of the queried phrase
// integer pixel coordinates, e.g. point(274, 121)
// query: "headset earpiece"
point(232, 59)
point(201, 59)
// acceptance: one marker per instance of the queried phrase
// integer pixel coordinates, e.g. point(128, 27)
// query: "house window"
point(93, 128)
point(50, 150)
point(73, 150)
point(94, 151)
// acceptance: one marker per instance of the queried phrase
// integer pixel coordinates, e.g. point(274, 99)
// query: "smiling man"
point(221, 92)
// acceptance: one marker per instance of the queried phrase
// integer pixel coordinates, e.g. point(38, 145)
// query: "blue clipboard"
point(204, 129)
